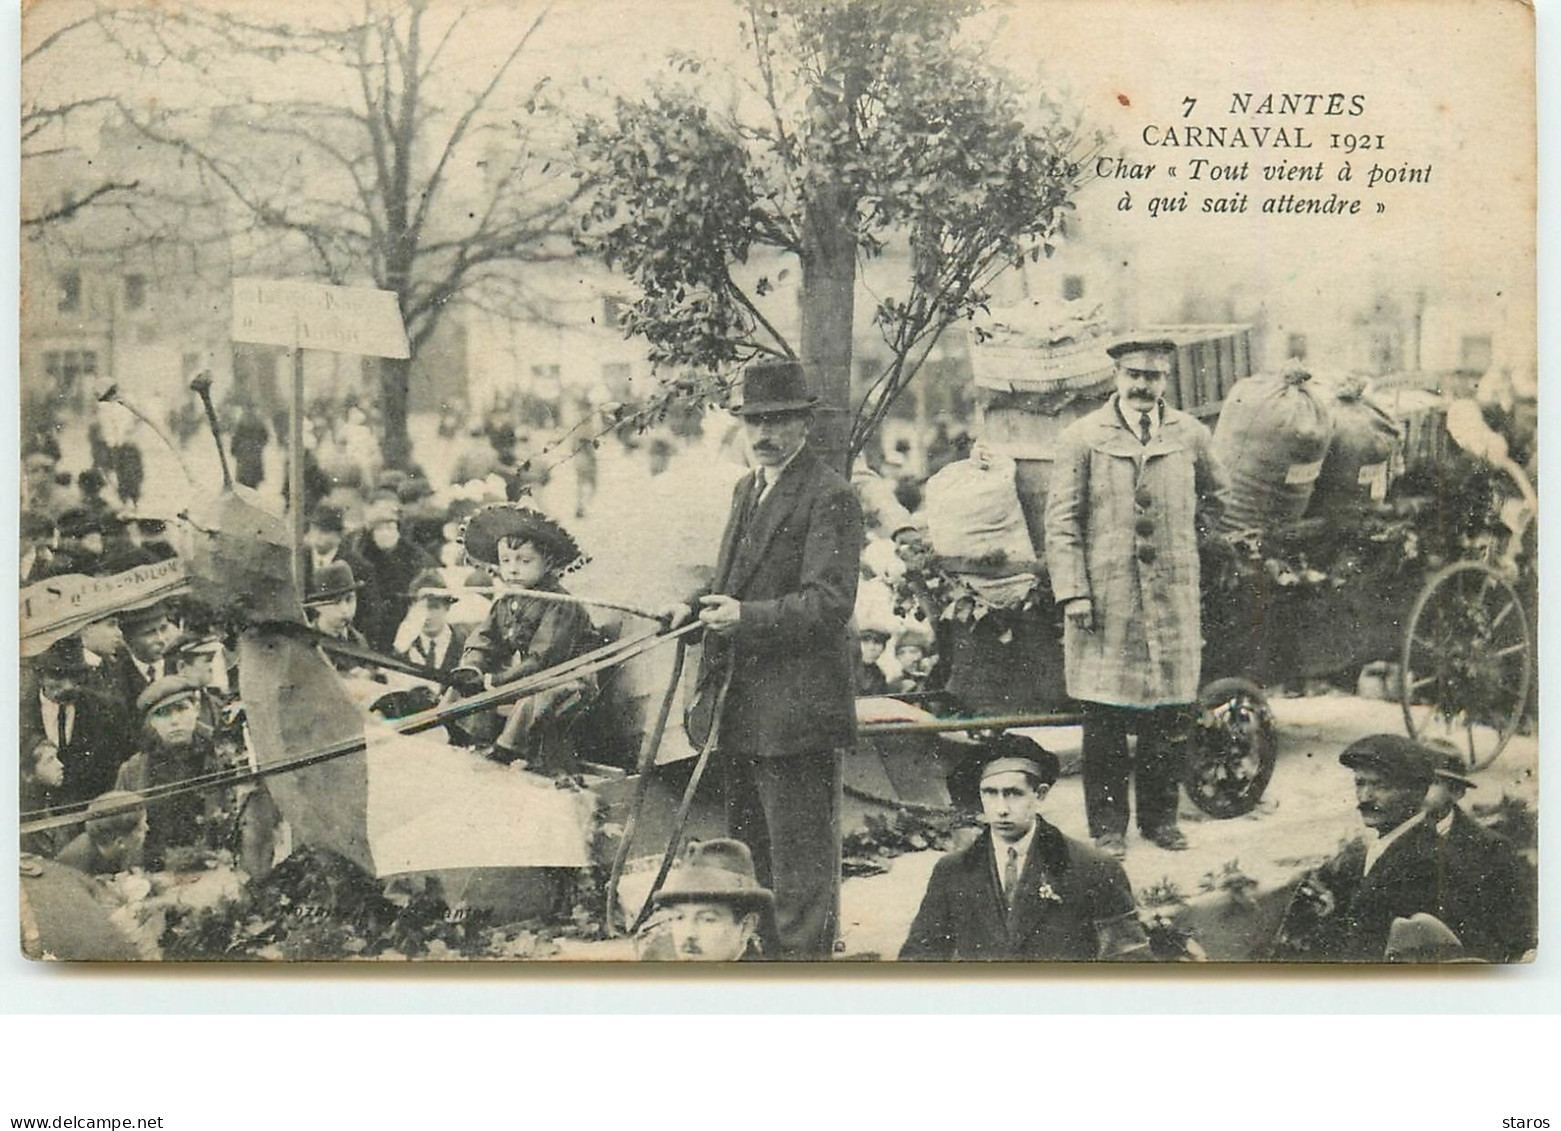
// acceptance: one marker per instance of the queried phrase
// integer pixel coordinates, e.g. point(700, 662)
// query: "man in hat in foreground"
point(708, 910)
point(1023, 891)
point(1344, 910)
point(1132, 485)
point(777, 619)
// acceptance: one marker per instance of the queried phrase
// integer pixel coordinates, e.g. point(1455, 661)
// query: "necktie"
point(60, 734)
point(760, 485)
point(1011, 875)
point(1143, 428)
point(424, 650)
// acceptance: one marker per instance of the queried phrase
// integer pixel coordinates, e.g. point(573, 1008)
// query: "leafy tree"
point(395, 147)
point(859, 123)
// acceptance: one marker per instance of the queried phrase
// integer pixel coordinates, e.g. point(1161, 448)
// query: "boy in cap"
point(179, 828)
point(427, 638)
point(870, 679)
point(1023, 890)
point(114, 839)
point(708, 909)
point(523, 634)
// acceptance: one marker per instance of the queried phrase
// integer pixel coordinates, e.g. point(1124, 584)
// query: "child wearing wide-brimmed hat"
point(523, 634)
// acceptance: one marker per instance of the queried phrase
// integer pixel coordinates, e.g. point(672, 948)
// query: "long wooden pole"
point(295, 455)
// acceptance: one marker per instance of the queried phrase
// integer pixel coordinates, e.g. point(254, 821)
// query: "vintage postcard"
point(818, 480)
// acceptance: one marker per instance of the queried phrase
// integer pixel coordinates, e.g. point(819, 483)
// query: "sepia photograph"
point(779, 481)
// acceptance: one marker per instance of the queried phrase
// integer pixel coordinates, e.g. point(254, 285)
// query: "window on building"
point(1296, 347)
point(613, 310)
point(1474, 353)
point(67, 367)
point(1072, 288)
point(70, 291)
point(135, 292)
point(189, 366)
point(616, 374)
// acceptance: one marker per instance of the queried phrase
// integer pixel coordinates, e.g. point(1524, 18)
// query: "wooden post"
point(295, 456)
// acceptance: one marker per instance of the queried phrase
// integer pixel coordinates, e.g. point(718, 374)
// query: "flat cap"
point(165, 689)
point(1401, 759)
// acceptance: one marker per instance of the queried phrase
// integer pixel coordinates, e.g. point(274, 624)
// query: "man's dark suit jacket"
point(794, 564)
point(1074, 904)
point(101, 739)
point(118, 679)
point(1471, 880)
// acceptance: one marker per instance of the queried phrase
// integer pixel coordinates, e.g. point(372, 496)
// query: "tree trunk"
point(828, 310)
point(395, 445)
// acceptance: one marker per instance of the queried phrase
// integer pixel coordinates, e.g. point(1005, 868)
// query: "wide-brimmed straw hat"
point(489, 525)
point(716, 871)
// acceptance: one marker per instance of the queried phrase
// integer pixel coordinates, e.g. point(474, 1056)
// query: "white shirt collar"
point(772, 474)
point(1375, 849)
point(1000, 849)
point(51, 718)
point(1130, 419)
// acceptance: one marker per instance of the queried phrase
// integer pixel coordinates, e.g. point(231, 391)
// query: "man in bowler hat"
point(777, 623)
point(1022, 890)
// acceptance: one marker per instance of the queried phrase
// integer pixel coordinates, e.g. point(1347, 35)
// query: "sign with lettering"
point(58, 606)
point(285, 312)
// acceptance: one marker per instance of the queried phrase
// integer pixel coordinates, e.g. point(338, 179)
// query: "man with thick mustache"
point(1402, 867)
point(1132, 485)
point(777, 617)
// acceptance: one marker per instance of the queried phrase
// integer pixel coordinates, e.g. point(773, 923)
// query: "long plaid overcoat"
point(1122, 523)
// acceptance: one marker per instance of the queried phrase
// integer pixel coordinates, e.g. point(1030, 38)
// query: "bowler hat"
point(78, 522)
point(715, 871)
point(165, 689)
point(773, 386)
point(331, 583)
point(488, 526)
point(63, 657)
point(1400, 759)
point(328, 517)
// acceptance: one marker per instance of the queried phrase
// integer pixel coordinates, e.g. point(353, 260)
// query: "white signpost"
point(287, 312)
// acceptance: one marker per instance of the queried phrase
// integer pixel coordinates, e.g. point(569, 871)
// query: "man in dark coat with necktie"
point(1023, 891)
point(777, 617)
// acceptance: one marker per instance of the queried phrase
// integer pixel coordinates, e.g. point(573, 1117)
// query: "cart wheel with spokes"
point(1468, 660)
point(1230, 757)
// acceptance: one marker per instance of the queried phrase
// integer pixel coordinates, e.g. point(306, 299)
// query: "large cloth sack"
point(1272, 437)
point(973, 512)
point(1361, 457)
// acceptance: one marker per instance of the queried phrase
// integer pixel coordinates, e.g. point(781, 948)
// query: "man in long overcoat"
point(1023, 890)
point(777, 616)
point(1133, 484)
